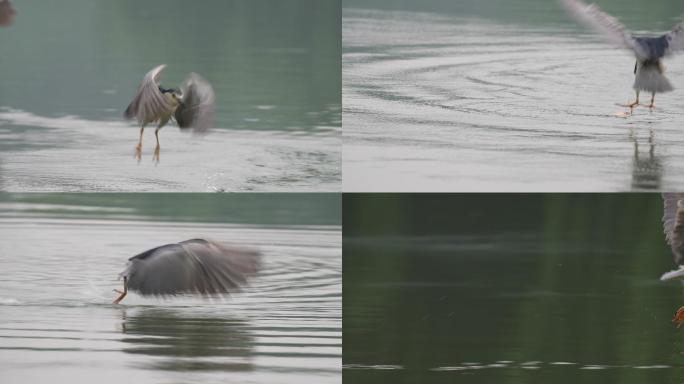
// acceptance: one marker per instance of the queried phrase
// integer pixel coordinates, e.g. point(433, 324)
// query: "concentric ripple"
point(438, 102)
point(57, 320)
point(69, 153)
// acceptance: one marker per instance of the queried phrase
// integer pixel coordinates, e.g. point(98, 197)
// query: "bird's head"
point(174, 94)
point(177, 96)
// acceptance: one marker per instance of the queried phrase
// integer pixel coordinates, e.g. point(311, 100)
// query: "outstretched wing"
point(673, 224)
point(196, 111)
point(193, 266)
point(593, 17)
point(149, 103)
point(673, 227)
point(675, 39)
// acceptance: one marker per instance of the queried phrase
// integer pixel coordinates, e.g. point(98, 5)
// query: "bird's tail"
point(651, 79)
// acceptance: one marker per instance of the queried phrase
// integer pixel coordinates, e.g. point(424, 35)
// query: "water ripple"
point(440, 103)
point(57, 311)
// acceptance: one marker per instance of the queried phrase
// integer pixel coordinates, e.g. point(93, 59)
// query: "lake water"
point(502, 96)
point(67, 73)
point(61, 254)
point(508, 288)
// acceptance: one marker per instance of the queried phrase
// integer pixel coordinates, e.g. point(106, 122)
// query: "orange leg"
point(158, 148)
point(652, 101)
point(122, 293)
point(679, 317)
point(634, 103)
point(138, 148)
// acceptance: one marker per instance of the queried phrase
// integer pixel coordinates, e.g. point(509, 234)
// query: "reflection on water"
point(477, 98)
point(508, 288)
point(188, 343)
point(52, 158)
point(60, 255)
point(647, 168)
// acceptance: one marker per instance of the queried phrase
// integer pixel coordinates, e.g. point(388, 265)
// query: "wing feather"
point(675, 39)
point(193, 266)
point(149, 103)
point(603, 23)
point(197, 108)
point(673, 224)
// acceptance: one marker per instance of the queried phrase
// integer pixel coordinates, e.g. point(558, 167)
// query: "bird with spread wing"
point(201, 266)
point(192, 106)
point(649, 50)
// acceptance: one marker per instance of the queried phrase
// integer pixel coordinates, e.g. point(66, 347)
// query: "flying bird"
point(673, 226)
point(648, 50)
point(192, 106)
point(198, 266)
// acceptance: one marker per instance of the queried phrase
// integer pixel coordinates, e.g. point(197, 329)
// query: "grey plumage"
point(192, 106)
point(149, 103)
point(652, 48)
point(673, 227)
point(648, 50)
point(193, 266)
point(197, 106)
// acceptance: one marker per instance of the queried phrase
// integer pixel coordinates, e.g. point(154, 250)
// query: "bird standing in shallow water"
point(192, 106)
point(648, 70)
point(192, 266)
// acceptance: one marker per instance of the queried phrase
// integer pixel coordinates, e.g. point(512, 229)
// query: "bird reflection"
point(187, 342)
point(647, 169)
point(7, 13)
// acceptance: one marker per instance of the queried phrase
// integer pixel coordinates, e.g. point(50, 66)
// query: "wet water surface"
point(60, 262)
point(508, 289)
point(502, 96)
point(67, 74)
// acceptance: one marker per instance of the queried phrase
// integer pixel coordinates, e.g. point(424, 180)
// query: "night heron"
point(192, 106)
point(192, 266)
point(7, 13)
point(648, 70)
point(673, 226)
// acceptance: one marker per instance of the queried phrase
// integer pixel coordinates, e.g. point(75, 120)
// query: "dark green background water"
point(508, 288)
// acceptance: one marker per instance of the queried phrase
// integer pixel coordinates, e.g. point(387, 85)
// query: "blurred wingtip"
point(7, 13)
point(672, 275)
